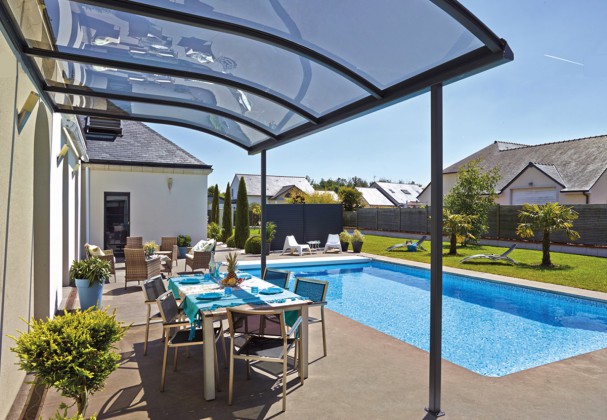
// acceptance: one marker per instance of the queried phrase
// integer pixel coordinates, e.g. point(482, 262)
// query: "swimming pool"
point(490, 328)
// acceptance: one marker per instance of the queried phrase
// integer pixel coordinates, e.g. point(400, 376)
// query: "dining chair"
point(137, 267)
point(181, 333)
point(168, 245)
point(316, 291)
point(152, 290)
point(134, 242)
point(266, 340)
point(278, 278)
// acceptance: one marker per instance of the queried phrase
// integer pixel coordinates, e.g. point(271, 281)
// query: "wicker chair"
point(137, 267)
point(109, 257)
point(134, 242)
point(197, 260)
point(168, 247)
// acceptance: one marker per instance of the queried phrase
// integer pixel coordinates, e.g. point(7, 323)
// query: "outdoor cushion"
point(94, 251)
point(203, 245)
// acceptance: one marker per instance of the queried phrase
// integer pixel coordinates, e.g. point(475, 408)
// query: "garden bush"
point(253, 245)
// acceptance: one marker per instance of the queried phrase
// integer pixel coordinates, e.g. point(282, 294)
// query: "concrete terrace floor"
point(366, 375)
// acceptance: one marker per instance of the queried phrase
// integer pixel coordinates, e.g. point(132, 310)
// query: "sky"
point(554, 90)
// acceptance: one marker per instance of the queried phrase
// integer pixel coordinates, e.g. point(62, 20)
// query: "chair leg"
point(164, 364)
point(147, 331)
point(324, 335)
point(175, 359)
point(300, 363)
point(284, 383)
point(231, 377)
point(223, 345)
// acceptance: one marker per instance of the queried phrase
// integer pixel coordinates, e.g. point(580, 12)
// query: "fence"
point(591, 224)
point(307, 222)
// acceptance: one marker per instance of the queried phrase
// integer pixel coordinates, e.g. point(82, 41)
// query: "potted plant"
point(73, 353)
point(270, 234)
point(357, 240)
point(150, 248)
point(89, 276)
point(183, 242)
point(344, 239)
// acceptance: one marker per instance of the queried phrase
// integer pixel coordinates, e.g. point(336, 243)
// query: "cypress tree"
point(226, 221)
point(215, 206)
point(241, 233)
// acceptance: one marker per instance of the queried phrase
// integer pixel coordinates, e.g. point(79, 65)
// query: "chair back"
point(134, 242)
point(270, 323)
point(333, 239)
point(278, 278)
point(421, 240)
point(291, 241)
point(134, 256)
point(315, 290)
point(153, 288)
point(509, 250)
point(167, 242)
point(167, 306)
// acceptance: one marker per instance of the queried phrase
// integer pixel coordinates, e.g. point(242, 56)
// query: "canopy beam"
point(264, 245)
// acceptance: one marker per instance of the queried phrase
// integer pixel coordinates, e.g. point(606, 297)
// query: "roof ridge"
point(508, 142)
point(545, 164)
point(150, 129)
point(276, 176)
point(525, 146)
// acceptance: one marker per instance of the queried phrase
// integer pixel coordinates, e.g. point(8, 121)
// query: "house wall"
point(530, 179)
point(598, 192)
point(154, 210)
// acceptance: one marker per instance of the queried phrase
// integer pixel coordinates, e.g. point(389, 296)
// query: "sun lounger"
point(333, 243)
point(494, 257)
point(292, 245)
point(417, 244)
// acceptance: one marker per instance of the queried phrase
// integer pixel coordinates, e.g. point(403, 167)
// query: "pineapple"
point(231, 279)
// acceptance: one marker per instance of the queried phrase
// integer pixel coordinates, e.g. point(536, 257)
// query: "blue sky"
point(537, 98)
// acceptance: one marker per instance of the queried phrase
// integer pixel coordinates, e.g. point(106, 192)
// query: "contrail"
point(563, 59)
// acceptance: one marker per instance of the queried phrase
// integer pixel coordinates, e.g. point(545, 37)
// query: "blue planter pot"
point(89, 296)
point(182, 251)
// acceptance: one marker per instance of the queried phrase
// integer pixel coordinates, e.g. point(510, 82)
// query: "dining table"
point(204, 300)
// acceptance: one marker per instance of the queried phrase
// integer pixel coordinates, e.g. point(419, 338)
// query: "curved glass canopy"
point(257, 73)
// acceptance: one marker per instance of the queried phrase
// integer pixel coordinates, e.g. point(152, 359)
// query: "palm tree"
point(549, 217)
point(458, 227)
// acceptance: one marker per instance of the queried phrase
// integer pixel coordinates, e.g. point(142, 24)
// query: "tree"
point(458, 227)
point(215, 205)
point(255, 210)
point(351, 198)
point(241, 231)
point(226, 222)
point(320, 197)
point(549, 217)
point(474, 195)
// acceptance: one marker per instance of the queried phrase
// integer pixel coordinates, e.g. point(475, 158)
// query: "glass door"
point(117, 221)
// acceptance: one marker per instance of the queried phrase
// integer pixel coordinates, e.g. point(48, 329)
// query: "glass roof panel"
point(393, 40)
point(188, 117)
point(186, 92)
point(99, 32)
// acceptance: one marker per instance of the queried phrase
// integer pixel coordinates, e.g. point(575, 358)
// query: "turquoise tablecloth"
point(193, 306)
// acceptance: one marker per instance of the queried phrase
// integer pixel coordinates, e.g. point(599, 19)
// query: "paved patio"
point(366, 375)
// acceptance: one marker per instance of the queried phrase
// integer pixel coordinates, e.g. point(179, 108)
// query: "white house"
point(142, 184)
point(401, 195)
point(569, 172)
point(277, 187)
point(372, 197)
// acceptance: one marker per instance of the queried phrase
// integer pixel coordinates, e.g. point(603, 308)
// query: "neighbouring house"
point(401, 195)
point(142, 184)
point(372, 197)
point(569, 172)
point(210, 204)
point(278, 188)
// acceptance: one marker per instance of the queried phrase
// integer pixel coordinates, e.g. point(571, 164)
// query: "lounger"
point(494, 257)
point(333, 243)
point(417, 244)
point(292, 245)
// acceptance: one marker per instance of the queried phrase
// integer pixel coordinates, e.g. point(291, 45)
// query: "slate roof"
point(141, 146)
point(576, 164)
point(374, 197)
point(274, 183)
point(398, 194)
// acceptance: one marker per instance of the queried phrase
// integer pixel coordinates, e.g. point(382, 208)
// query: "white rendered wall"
point(598, 192)
point(154, 210)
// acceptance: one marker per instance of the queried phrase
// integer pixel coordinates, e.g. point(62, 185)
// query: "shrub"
point(241, 232)
point(72, 352)
point(214, 231)
point(226, 221)
point(184, 240)
point(94, 269)
point(215, 205)
point(357, 236)
point(253, 245)
point(345, 237)
point(231, 242)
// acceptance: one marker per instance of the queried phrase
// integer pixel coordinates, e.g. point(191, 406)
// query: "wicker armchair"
point(168, 247)
point(197, 260)
point(134, 242)
point(137, 267)
point(109, 257)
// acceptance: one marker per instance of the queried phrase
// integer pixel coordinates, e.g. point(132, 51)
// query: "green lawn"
point(570, 270)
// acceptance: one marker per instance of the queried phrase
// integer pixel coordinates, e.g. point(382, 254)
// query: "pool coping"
point(531, 284)
point(307, 261)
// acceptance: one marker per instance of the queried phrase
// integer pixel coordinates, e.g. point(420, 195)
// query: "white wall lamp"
point(170, 183)
point(76, 167)
point(62, 152)
point(26, 110)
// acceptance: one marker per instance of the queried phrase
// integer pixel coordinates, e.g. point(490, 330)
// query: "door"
point(116, 228)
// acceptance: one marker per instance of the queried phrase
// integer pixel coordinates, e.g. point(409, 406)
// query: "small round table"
point(314, 245)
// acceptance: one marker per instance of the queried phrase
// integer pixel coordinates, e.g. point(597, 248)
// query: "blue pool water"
point(493, 329)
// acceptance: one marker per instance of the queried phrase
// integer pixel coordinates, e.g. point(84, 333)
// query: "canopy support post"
point(264, 245)
point(436, 257)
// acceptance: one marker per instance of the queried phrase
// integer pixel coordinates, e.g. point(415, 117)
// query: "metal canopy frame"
point(298, 119)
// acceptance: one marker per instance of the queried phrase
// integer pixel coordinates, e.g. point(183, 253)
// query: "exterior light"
point(26, 110)
point(170, 183)
point(63, 152)
point(76, 167)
